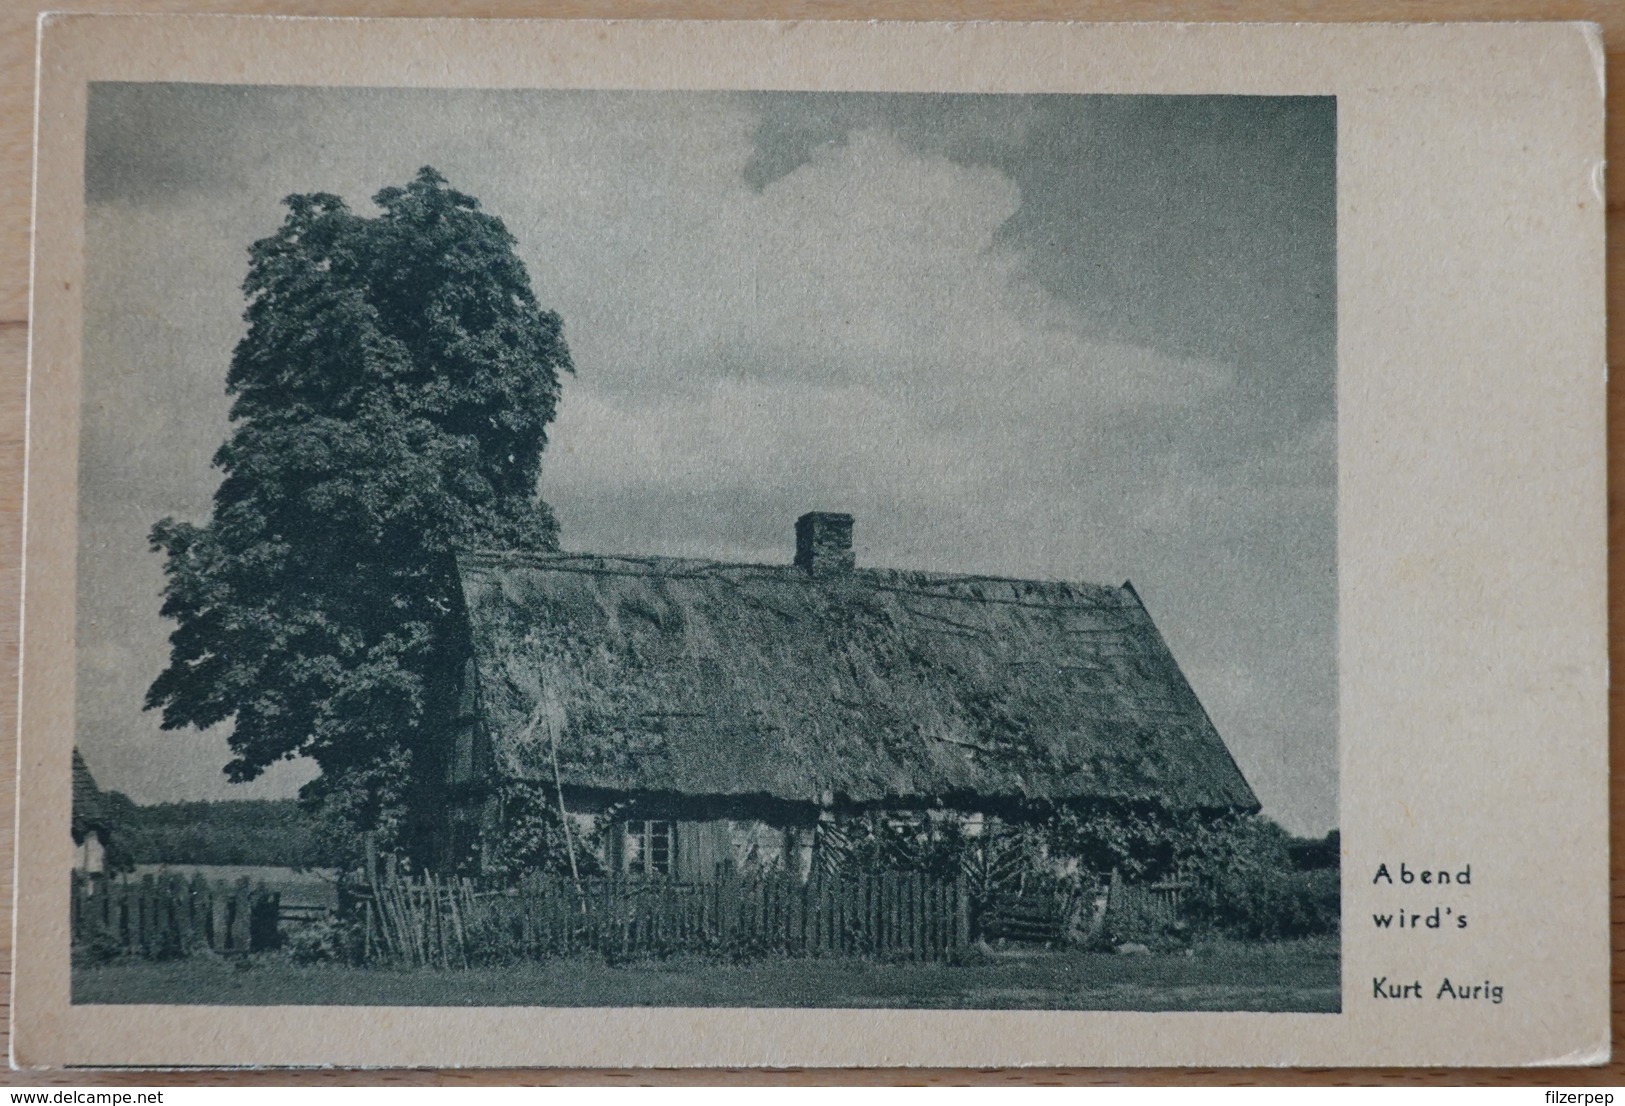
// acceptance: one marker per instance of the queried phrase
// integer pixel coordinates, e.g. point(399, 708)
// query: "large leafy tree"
point(391, 402)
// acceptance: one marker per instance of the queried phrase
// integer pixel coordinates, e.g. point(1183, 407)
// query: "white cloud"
point(853, 323)
point(856, 334)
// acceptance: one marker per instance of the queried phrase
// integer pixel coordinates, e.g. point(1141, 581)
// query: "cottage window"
point(648, 848)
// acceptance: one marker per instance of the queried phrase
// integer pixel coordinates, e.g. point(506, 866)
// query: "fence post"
point(833, 892)
point(407, 912)
point(936, 912)
point(933, 916)
point(118, 920)
point(265, 928)
point(570, 920)
point(826, 911)
point(239, 919)
point(791, 893)
point(900, 927)
point(916, 903)
point(139, 944)
point(900, 934)
point(920, 915)
point(187, 915)
point(837, 912)
point(443, 911)
point(871, 911)
point(727, 906)
point(529, 890)
point(843, 895)
point(135, 904)
point(936, 916)
point(173, 933)
point(380, 916)
point(803, 897)
point(431, 923)
point(815, 908)
point(905, 900)
point(919, 903)
point(400, 909)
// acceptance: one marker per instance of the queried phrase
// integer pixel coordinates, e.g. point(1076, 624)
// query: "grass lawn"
point(1297, 975)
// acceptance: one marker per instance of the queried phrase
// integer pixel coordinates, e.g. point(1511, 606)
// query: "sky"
point(1054, 337)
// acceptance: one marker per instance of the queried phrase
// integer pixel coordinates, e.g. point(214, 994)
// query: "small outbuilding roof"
point(89, 807)
point(869, 685)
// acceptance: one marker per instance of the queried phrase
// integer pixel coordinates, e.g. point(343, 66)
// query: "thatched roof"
point(698, 678)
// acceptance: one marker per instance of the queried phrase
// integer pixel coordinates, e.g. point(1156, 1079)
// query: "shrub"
point(1139, 840)
point(100, 947)
point(1243, 883)
point(530, 836)
point(317, 942)
point(1158, 933)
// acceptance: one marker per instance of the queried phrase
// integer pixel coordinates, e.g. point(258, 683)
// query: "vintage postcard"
point(823, 544)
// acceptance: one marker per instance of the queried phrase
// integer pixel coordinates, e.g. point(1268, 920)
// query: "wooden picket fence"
point(455, 924)
point(159, 917)
point(1154, 903)
point(1030, 918)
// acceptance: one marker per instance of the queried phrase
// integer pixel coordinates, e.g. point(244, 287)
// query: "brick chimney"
point(824, 543)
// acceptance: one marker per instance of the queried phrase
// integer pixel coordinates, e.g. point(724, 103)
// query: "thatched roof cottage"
point(717, 711)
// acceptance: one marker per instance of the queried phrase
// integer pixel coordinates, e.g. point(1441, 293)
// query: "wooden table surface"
point(17, 18)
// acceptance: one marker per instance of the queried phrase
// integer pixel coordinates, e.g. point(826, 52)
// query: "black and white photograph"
point(575, 548)
point(763, 545)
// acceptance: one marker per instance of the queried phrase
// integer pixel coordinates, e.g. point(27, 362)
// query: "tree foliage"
point(1244, 875)
point(391, 402)
point(530, 835)
point(1244, 881)
point(270, 832)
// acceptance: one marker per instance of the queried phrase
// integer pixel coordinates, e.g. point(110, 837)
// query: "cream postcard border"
point(1471, 524)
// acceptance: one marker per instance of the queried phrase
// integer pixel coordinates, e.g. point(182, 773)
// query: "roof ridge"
point(560, 559)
